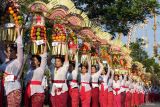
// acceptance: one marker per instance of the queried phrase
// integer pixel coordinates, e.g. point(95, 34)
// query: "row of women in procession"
point(72, 84)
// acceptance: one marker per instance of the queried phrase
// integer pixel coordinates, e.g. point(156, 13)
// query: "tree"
point(140, 55)
point(118, 15)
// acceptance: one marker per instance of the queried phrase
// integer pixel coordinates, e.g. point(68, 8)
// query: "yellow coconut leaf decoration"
point(87, 23)
point(59, 8)
point(57, 3)
point(137, 68)
point(75, 18)
point(129, 61)
point(116, 45)
point(125, 51)
point(38, 6)
point(103, 36)
point(78, 19)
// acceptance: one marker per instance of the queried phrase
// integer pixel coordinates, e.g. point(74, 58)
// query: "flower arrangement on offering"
point(10, 17)
point(116, 46)
point(72, 44)
point(85, 49)
point(59, 46)
point(38, 30)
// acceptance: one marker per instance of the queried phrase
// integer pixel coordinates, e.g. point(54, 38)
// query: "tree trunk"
point(120, 35)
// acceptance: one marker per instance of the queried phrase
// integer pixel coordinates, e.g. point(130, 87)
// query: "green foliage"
point(139, 54)
point(118, 15)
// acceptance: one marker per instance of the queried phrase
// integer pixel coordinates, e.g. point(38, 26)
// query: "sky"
point(146, 32)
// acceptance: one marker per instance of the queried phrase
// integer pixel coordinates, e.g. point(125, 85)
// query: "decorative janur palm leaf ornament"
point(104, 37)
point(10, 16)
point(76, 19)
point(138, 71)
point(137, 67)
point(38, 29)
point(125, 59)
point(86, 32)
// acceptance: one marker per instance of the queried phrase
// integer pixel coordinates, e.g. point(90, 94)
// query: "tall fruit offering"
point(38, 30)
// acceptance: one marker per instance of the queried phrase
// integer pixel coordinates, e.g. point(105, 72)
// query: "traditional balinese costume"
point(34, 94)
point(117, 93)
point(95, 87)
point(128, 98)
point(103, 90)
point(123, 90)
point(59, 88)
point(10, 83)
point(85, 88)
point(73, 86)
point(110, 91)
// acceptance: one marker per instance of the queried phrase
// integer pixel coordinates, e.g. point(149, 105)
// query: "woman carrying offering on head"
point(59, 89)
point(85, 88)
point(73, 83)
point(34, 93)
point(11, 69)
point(95, 86)
point(103, 88)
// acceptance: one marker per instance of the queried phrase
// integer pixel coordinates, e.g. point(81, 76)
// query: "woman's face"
point(84, 69)
point(70, 69)
point(116, 78)
point(34, 62)
point(93, 70)
point(58, 63)
point(103, 72)
point(11, 53)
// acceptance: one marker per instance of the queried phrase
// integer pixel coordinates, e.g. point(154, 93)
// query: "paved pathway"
point(152, 105)
point(146, 105)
